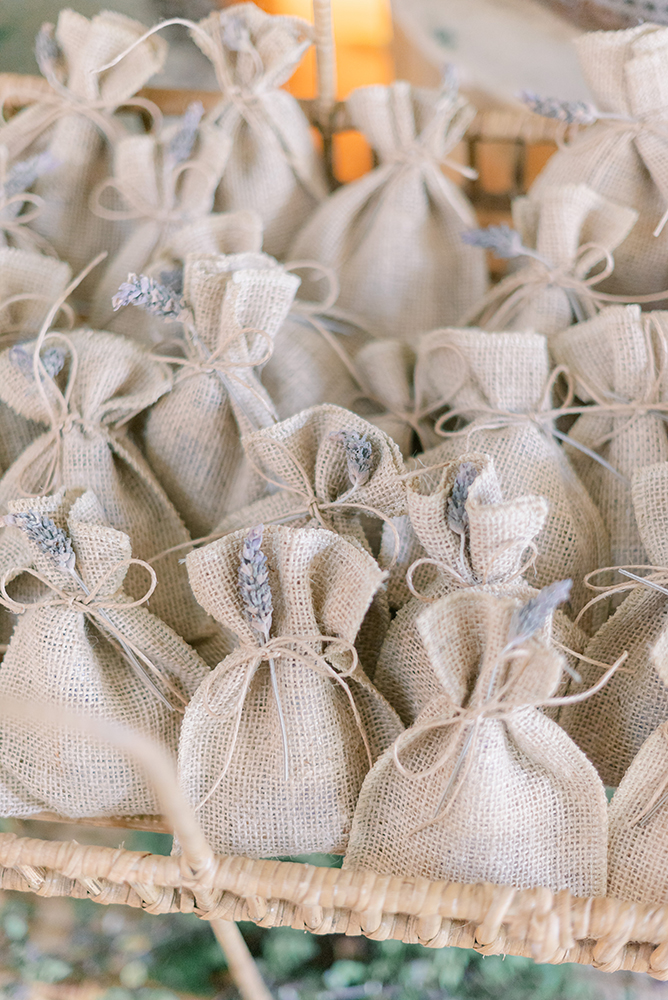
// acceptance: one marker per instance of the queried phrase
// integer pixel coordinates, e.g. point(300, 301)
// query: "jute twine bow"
point(495, 706)
point(168, 211)
point(88, 603)
point(302, 649)
point(504, 301)
point(472, 581)
point(656, 574)
point(248, 102)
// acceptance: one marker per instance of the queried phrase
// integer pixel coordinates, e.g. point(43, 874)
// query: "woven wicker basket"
point(508, 150)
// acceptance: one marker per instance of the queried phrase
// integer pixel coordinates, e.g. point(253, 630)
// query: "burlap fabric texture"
point(273, 168)
point(484, 787)
point(493, 556)
point(29, 283)
point(105, 380)
point(573, 232)
point(623, 156)
point(231, 759)
point(192, 436)
point(76, 123)
point(160, 191)
point(394, 235)
point(619, 361)
point(301, 455)
point(499, 386)
point(63, 654)
point(611, 727)
point(637, 818)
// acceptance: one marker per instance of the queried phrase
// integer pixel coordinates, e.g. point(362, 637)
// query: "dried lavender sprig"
point(235, 34)
point(52, 358)
point(173, 279)
point(504, 241)
point(456, 513)
point(46, 535)
point(23, 174)
point(47, 50)
point(140, 290)
point(56, 543)
point(359, 456)
point(254, 583)
point(570, 112)
point(181, 144)
point(259, 607)
point(531, 617)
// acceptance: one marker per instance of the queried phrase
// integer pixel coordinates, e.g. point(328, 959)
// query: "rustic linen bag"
point(484, 787)
point(309, 456)
point(192, 436)
point(64, 653)
point(104, 381)
point(76, 123)
point(638, 850)
point(611, 727)
point(489, 550)
point(499, 384)
point(623, 154)
point(273, 168)
point(232, 764)
point(394, 235)
point(163, 183)
point(568, 231)
point(619, 361)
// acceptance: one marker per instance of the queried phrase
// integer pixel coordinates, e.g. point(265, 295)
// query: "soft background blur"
point(58, 949)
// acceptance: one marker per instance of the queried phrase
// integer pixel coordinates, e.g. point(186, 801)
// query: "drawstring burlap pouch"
point(623, 154)
point(333, 470)
point(67, 652)
point(394, 235)
point(466, 537)
point(86, 396)
point(192, 437)
point(611, 727)
point(637, 869)
point(500, 389)
point(163, 182)
point(619, 362)
point(29, 283)
point(76, 123)
point(563, 243)
point(484, 787)
point(273, 168)
point(276, 742)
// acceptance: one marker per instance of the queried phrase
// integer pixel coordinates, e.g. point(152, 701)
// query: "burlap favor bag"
point(466, 537)
point(623, 154)
point(500, 389)
point(276, 742)
point(563, 242)
point(484, 787)
point(273, 168)
point(73, 648)
point(618, 360)
point(163, 182)
point(638, 850)
point(611, 727)
point(76, 122)
point(86, 398)
point(192, 437)
point(394, 235)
